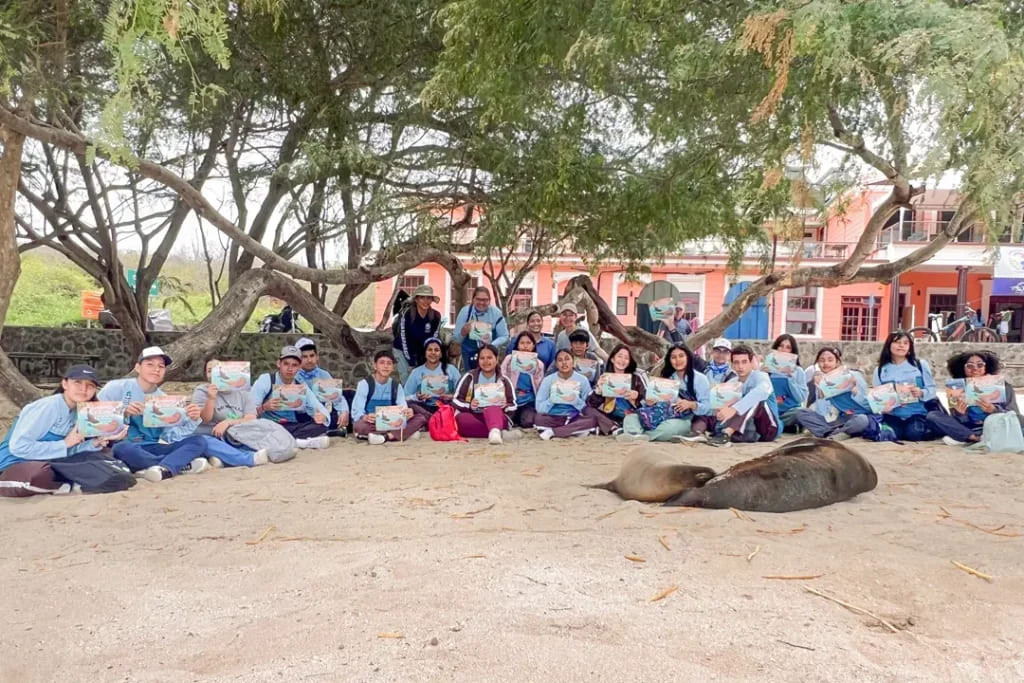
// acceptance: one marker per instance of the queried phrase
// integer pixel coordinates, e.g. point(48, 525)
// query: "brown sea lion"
point(654, 478)
point(806, 473)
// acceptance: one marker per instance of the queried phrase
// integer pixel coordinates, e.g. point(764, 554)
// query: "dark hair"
point(831, 349)
point(383, 353)
point(566, 352)
point(533, 313)
point(667, 370)
point(742, 350)
point(307, 347)
point(477, 290)
point(631, 368)
point(60, 390)
point(444, 359)
point(786, 337)
point(579, 336)
point(489, 347)
point(515, 342)
point(956, 363)
point(886, 356)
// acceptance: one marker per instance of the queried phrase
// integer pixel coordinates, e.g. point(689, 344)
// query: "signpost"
point(132, 276)
point(91, 305)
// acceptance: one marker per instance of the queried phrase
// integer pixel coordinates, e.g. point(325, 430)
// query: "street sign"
point(132, 276)
point(91, 305)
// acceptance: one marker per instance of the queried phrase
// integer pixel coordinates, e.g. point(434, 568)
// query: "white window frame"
point(818, 309)
point(691, 283)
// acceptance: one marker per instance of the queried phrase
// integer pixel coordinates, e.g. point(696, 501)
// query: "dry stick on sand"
point(751, 555)
point(635, 558)
point(995, 532)
point(467, 515)
point(661, 540)
point(395, 636)
point(609, 514)
point(262, 536)
point(853, 608)
point(972, 571)
point(664, 594)
point(740, 515)
point(783, 577)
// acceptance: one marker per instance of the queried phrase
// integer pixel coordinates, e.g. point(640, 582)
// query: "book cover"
point(434, 385)
point(565, 391)
point(586, 367)
point(164, 411)
point(883, 398)
point(956, 391)
point(906, 394)
point(230, 375)
point(293, 395)
point(725, 394)
point(327, 390)
point(663, 309)
point(480, 331)
point(838, 381)
point(524, 361)
point(389, 418)
point(990, 388)
point(662, 389)
point(781, 363)
point(489, 394)
point(616, 384)
point(99, 419)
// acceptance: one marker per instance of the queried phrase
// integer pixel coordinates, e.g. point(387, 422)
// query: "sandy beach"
point(464, 561)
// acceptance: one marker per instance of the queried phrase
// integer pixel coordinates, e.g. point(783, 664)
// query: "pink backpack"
point(442, 425)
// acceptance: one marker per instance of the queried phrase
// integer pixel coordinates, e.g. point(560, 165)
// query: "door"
point(753, 324)
point(998, 304)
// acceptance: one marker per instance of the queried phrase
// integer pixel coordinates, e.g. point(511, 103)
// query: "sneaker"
point(415, 435)
point(546, 434)
point(617, 431)
point(511, 434)
point(215, 462)
point(840, 436)
point(337, 433)
point(156, 474)
point(720, 440)
point(195, 467)
point(950, 441)
point(494, 436)
point(321, 441)
point(692, 438)
point(626, 436)
point(260, 457)
point(376, 439)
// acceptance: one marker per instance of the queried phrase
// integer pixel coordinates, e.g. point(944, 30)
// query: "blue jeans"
point(173, 456)
point(231, 456)
point(948, 425)
point(913, 428)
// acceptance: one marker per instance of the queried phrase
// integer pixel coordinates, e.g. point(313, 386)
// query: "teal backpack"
point(1001, 433)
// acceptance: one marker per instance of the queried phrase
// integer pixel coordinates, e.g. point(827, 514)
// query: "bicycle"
point(957, 330)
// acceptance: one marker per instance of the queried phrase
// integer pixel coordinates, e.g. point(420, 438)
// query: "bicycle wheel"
point(922, 334)
point(982, 335)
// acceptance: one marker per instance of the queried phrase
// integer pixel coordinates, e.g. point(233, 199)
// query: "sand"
point(470, 562)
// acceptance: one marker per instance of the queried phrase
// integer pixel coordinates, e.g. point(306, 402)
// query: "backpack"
point(257, 434)
point(93, 472)
point(442, 425)
point(370, 382)
point(1001, 433)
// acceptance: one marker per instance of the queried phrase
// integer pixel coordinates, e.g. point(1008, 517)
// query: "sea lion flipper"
point(607, 486)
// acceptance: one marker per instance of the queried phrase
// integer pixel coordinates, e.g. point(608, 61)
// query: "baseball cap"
point(83, 371)
point(290, 352)
point(722, 343)
point(154, 352)
point(305, 343)
point(568, 307)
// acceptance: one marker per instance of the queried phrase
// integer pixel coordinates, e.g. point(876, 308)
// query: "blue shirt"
point(340, 405)
point(38, 433)
point(701, 393)
point(791, 391)
point(367, 402)
point(524, 390)
point(906, 373)
point(758, 388)
point(264, 385)
point(716, 374)
point(129, 390)
point(412, 385)
point(546, 407)
point(846, 403)
point(493, 315)
point(546, 351)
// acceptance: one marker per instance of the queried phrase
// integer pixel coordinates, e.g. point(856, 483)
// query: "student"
point(545, 344)
point(526, 384)
point(720, 369)
point(579, 348)
point(425, 405)
point(480, 310)
point(567, 317)
point(790, 388)
point(309, 425)
point(490, 422)
point(221, 410)
point(610, 412)
point(755, 416)
point(45, 431)
point(664, 421)
point(563, 420)
point(852, 414)
point(309, 371)
point(964, 423)
point(899, 364)
point(418, 323)
point(678, 329)
point(386, 391)
point(159, 453)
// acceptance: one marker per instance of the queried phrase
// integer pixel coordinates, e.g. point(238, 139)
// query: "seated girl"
point(900, 365)
point(964, 423)
point(690, 412)
point(610, 412)
point(790, 385)
point(526, 383)
point(219, 411)
point(475, 416)
point(562, 401)
point(841, 415)
point(436, 365)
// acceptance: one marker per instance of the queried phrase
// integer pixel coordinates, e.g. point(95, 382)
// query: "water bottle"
point(125, 402)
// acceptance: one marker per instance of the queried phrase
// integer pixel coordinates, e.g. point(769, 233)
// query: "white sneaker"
point(692, 438)
point(511, 434)
point(950, 441)
point(547, 434)
point(260, 457)
point(415, 435)
point(156, 474)
point(626, 436)
point(840, 436)
point(494, 436)
point(321, 441)
point(215, 462)
point(376, 439)
point(195, 467)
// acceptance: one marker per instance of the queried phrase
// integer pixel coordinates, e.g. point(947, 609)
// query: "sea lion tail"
point(607, 486)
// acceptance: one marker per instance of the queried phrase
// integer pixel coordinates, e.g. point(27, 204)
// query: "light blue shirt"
point(129, 390)
point(412, 385)
point(546, 407)
point(701, 393)
point(262, 387)
point(38, 433)
point(792, 389)
point(757, 388)
point(906, 373)
point(364, 402)
point(493, 315)
point(847, 402)
point(340, 405)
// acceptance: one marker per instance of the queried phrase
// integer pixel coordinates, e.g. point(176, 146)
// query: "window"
point(621, 305)
point(944, 304)
point(407, 283)
point(691, 304)
point(473, 283)
point(860, 318)
point(802, 311)
point(523, 298)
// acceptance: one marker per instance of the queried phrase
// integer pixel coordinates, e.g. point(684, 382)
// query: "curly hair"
point(956, 364)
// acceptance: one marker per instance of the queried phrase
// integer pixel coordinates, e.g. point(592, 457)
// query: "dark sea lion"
point(654, 478)
point(806, 473)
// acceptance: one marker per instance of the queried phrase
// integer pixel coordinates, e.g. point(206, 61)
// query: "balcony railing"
point(908, 231)
point(810, 250)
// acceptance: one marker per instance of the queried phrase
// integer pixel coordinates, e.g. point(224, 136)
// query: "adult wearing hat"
point(308, 425)
point(720, 368)
point(678, 329)
point(158, 452)
point(44, 432)
point(567, 317)
point(413, 327)
point(309, 372)
point(479, 310)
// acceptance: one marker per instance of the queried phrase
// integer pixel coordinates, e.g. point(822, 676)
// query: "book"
point(781, 363)
point(956, 391)
point(480, 331)
point(662, 389)
point(835, 382)
point(663, 309)
point(490, 394)
point(725, 394)
point(164, 411)
point(587, 367)
point(327, 390)
point(293, 395)
point(616, 384)
point(389, 418)
point(906, 394)
point(565, 391)
point(990, 388)
point(883, 398)
point(434, 385)
point(524, 361)
point(99, 419)
point(230, 375)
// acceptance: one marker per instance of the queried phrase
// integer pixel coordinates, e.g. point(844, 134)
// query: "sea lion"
point(653, 478)
point(806, 473)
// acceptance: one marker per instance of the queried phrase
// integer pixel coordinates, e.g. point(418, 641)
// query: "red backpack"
point(442, 425)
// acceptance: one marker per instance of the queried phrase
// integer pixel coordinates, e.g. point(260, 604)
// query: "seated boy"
point(754, 417)
point(719, 369)
point(309, 425)
point(378, 391)
point(309, 371)
point(579, 347)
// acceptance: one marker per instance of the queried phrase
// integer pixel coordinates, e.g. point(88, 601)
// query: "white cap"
point(304, 342)
point(154, 352)
point(722, 343)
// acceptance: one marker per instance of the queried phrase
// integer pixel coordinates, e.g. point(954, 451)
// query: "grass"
point(48, 294)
